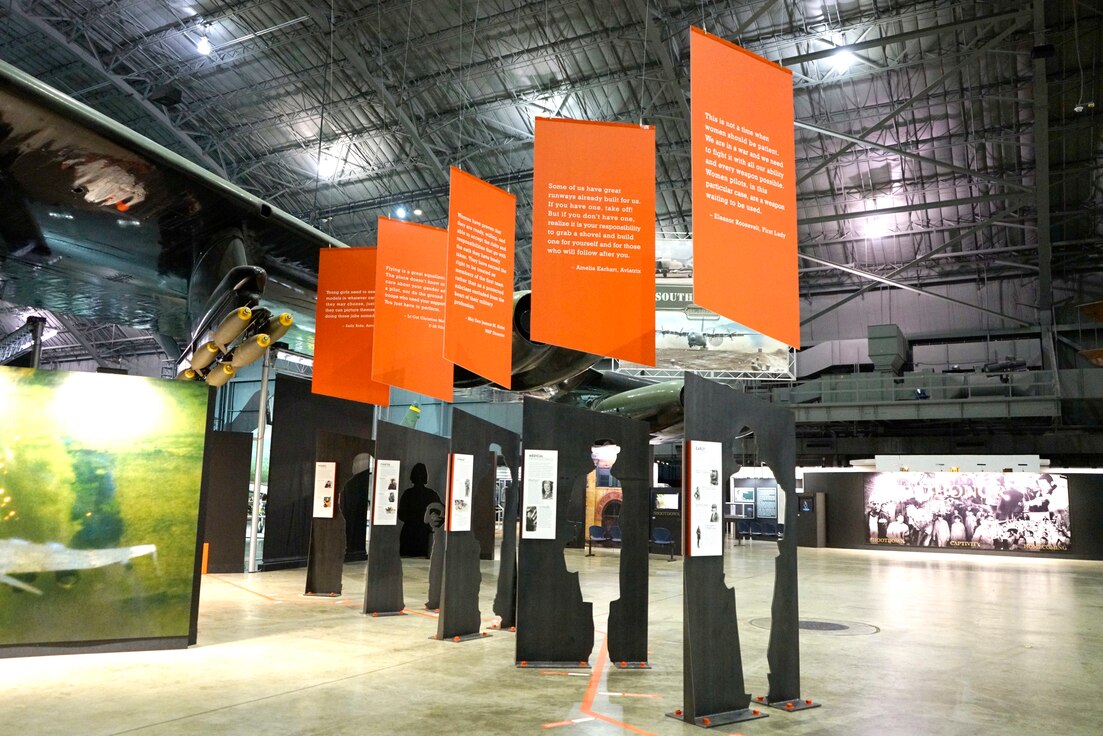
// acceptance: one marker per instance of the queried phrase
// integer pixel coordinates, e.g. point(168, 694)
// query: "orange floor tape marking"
point(426, 614)
point(633, 695)
point(247, 590)
point(566, 723)
point(591, 692)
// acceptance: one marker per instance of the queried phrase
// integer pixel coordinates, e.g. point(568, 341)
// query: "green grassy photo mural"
point(99, 501)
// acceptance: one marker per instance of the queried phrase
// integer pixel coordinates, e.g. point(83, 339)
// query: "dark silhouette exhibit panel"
point(596, 453)
point(713, 683)
point(297, 417)
point(459, 610)
point(423, 470)
point(329, 536)
point(227, 475)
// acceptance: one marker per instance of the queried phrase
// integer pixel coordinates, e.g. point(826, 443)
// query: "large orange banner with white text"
point(744, 188)
point(593, 238)
point(478, 311)
point(409, 317)
point(345, 327)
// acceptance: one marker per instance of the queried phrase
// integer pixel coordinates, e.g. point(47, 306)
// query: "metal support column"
point(1041, 189)
point(37, 324)
point(262, 416)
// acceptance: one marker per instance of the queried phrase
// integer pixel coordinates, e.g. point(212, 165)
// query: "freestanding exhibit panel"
point(422, 462)
point(473, 437)
point(297, 417)
point(597, 454)
point(713, 676)
point(505, 600)
point(227, 474)
point(101, 511)
point(344, 490)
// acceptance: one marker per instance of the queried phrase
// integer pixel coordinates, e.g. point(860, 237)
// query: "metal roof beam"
point(917, 97)
point(372, 74)
point(913, 156)
point(908, 287)
point(911, 264)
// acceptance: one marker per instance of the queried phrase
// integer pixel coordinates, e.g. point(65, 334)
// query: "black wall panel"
point(297, 417)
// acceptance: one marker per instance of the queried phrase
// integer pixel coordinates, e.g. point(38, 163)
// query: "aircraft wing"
point(104, 223)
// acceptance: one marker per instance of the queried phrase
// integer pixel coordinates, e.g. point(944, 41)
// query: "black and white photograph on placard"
point(1024, 512)
point(325, 473)
point(706, 497)
point(539, 497)
point(385, 503)
point(459, 492)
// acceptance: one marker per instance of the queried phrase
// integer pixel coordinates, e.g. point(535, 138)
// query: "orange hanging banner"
point(409, 325)
point(593, 238)
point(744, 188)
point(345, 327)
point(478, 312)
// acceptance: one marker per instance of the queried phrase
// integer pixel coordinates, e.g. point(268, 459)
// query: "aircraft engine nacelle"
point(535, 364)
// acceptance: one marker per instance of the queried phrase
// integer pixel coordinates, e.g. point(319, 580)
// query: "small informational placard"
point(704, 496)
point(385, 503)
point(766, 502)
point(538, 500)
point(325, 492)
point(461, 476)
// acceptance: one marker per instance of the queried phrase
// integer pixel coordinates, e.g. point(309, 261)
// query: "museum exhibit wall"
point(297, 417)
point(227, 478)
point(849, 527)
point(100, 511)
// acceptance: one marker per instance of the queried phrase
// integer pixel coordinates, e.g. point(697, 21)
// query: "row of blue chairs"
point(660, 537)
point(752, 529)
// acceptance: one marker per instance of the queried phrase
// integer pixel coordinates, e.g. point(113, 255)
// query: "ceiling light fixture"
point(842, 60)
point(418, 212)
point(400, 213)
point(203, 46)
point(328, 166)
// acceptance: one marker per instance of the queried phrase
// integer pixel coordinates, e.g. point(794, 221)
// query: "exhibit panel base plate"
point(719, 719)
point(631, 665)
point(378, 614)
point(526, 665)
point(321, 595)
point(791, 705)
point(465, 637)
point(498, 627)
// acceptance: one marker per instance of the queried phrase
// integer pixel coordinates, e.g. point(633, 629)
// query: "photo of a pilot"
point(530, 518)
point(547, 489)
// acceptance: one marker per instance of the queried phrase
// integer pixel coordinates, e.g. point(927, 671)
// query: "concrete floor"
point(961, 645)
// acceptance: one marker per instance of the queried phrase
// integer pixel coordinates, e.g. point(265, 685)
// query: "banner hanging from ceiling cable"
point(345, 327)
point(410, 277)
point(593, 238)
point(744, 188)
point(478, 311)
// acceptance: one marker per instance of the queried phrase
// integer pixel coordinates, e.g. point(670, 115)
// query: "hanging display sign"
point(385, 502)
point(410, 275)
point(325, 491)
point(593, 238)
point(538, 502)
point(345, 327)
point(461, 477)
point(744, 188)
point(478, 311)
point(704, 499)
